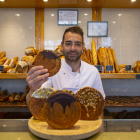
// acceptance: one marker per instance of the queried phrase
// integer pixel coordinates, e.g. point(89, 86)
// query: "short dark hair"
point(74, 29)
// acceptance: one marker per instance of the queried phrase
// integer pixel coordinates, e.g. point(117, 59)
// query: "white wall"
point(16, 32)
point(53, 33)
point(124, 34)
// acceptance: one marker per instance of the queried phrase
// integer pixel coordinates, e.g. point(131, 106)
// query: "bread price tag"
point(109, 67)
point(137, 76)
point(98, 67)
point(127, 67)
point(1, 68)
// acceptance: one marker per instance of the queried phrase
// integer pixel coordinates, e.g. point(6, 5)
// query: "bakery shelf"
point(12, 104)
point(123, 105)
point(13, 75)
point(103, 75)
point(118, 75)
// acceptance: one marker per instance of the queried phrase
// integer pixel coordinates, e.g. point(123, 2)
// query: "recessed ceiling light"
point(114, 22)
point(17, 15)
point(119, 14)
point(45, 0)
point(89, 0)
point(133, 0)
point(2, 0)
point(85, 14)
point(52, 15)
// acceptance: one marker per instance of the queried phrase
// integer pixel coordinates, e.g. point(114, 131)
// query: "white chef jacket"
point(66, 79)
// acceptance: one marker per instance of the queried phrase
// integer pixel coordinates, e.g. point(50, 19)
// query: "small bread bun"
point(59, 51)
point(21, 67)
point(30, 51)
point(13, 62)
point(11, 70)
point(121, 66)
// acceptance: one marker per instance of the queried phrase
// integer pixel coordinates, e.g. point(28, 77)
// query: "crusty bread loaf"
point(111, 61)
point(7, 62)
point(100, 59)
point(137, 67)
point(13, 62)
point(3, 59)
point(6, 68)
point(115, 60)
point(21, 67)
point(11, 70)
point(30, 51)
point(2, 55)
point(94, 53)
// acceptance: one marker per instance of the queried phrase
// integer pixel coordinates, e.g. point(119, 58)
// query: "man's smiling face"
point(72, 46)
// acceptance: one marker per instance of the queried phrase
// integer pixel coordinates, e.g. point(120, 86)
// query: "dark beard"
point(72, 59)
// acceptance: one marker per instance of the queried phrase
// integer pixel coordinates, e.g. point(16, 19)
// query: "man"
point(74, 74)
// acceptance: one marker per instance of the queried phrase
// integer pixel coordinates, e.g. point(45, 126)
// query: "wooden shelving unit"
point(13, 75)
point(103, 75)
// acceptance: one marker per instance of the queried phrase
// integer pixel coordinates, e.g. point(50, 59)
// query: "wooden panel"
point(121, 4)
point(42, 29)
point(69, 4)
point(117, 76)
point(39, 28)
point(12, 75)
point(36, 28)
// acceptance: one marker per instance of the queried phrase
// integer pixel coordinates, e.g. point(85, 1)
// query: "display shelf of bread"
point(14, 69)
point(122, 101)
point(13, 99)
point(18, 66)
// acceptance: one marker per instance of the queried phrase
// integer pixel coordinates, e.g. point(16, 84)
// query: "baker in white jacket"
point(74, 73)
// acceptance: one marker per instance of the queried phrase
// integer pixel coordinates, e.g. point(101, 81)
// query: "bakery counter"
point(103, 75)
point(113, 129)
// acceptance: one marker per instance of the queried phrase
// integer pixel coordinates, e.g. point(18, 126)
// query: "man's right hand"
point(36, 77)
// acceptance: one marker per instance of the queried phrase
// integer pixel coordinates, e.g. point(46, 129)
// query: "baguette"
point(13, 62)
point(17, 97)
point(2, 55)
point(23, 97)
point(4, 98)
point(94, 53)
point(7, 62)
point(111, 61)
point(1, 63)
point(12, 96)
point(115, 60)
point(100, 59)
point(11, 70)
point(3, 92)
point(3, 59)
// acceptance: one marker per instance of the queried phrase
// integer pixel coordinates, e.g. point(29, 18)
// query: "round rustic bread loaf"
point(37, 101)
point(92, 103)
point(49, 60)
point(62, 110)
